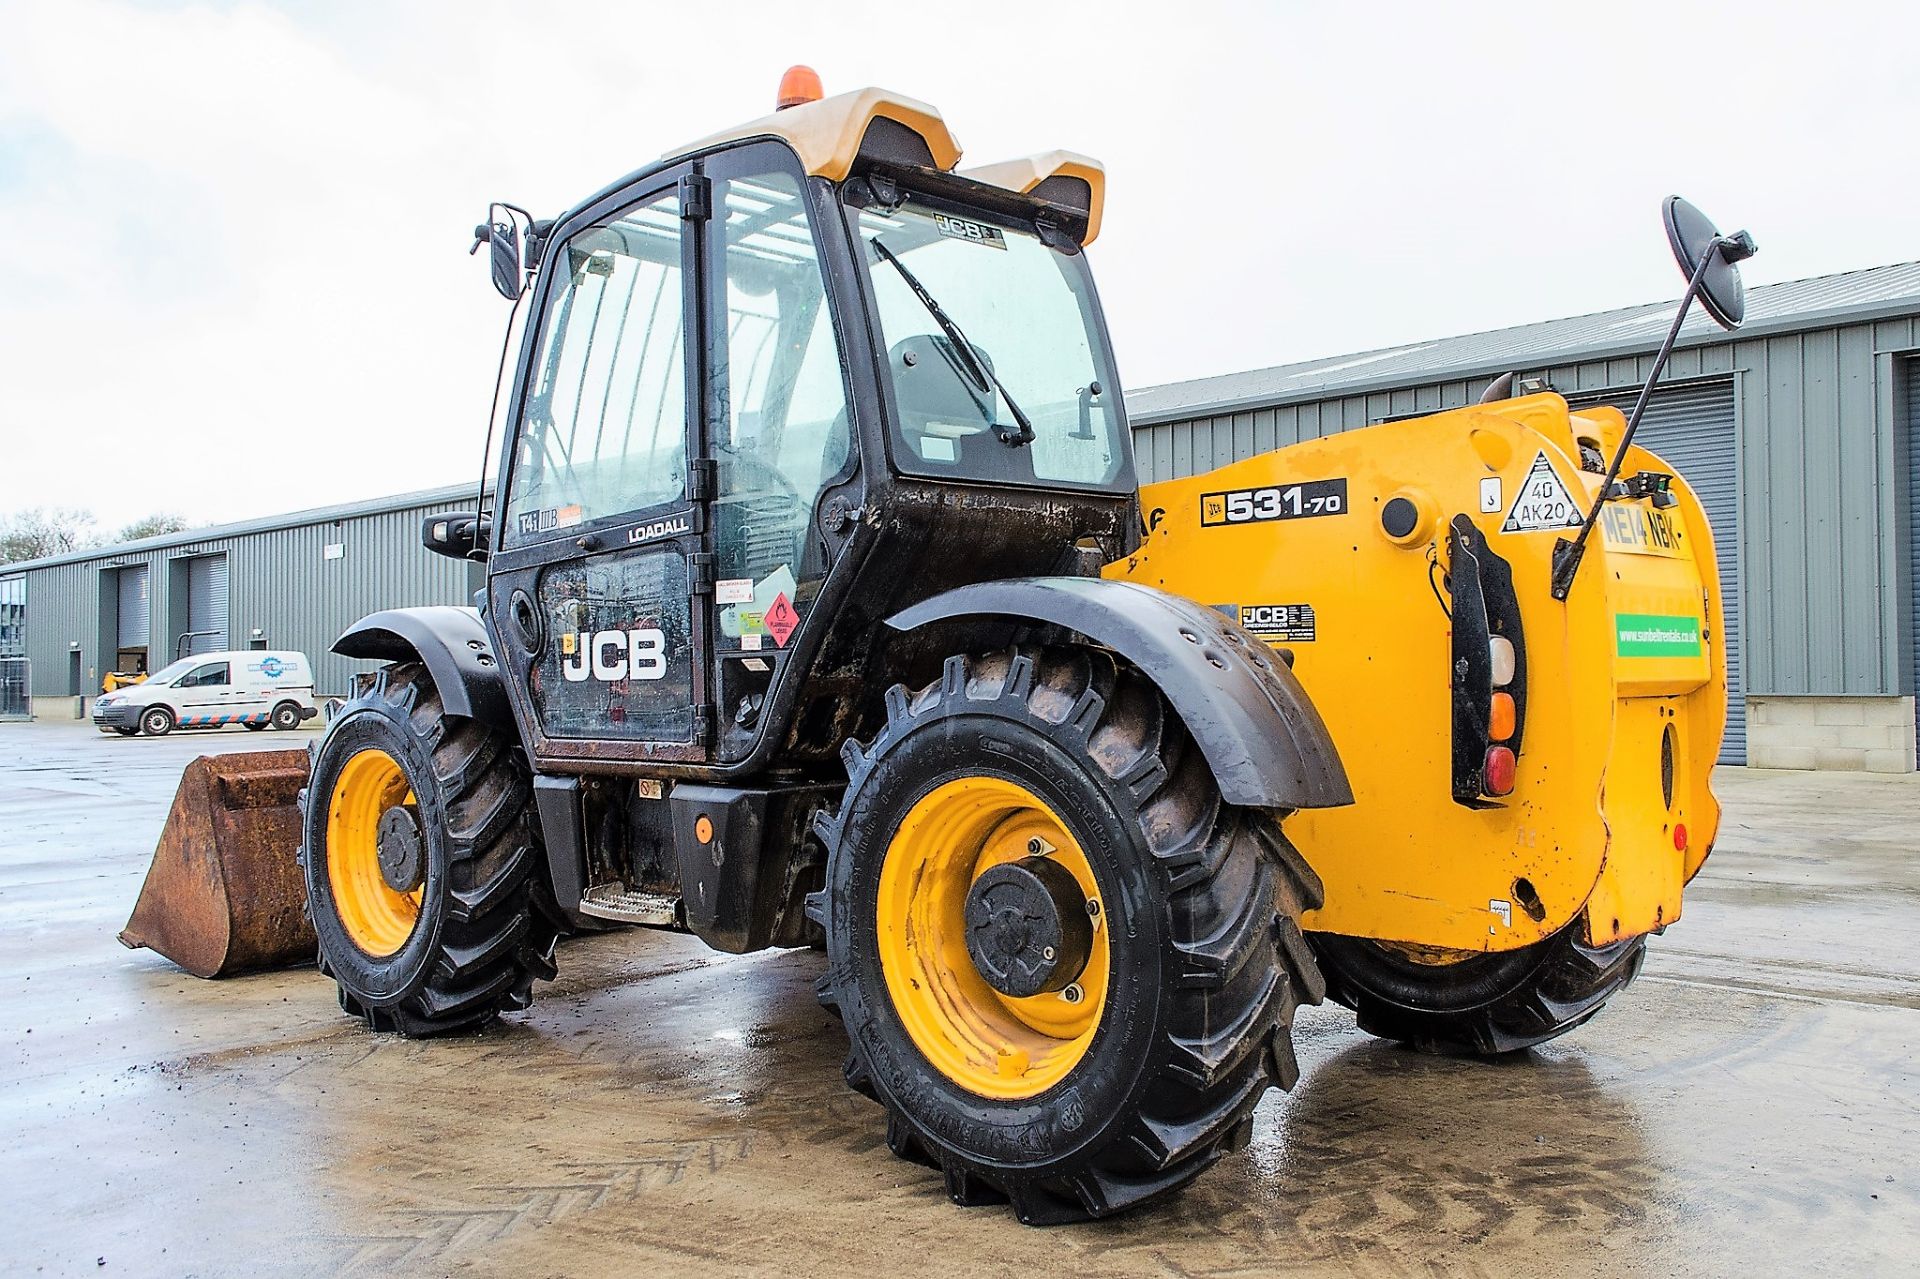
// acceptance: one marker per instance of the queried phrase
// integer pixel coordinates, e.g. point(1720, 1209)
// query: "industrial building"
point(287, 582)
point(1797, 432)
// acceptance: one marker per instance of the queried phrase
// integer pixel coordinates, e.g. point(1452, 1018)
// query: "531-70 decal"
point(1275, 502)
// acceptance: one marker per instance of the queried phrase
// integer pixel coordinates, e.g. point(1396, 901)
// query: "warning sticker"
point(781, 619)
point(1542, 502)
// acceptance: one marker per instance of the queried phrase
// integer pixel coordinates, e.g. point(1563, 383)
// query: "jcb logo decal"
point(615, 655)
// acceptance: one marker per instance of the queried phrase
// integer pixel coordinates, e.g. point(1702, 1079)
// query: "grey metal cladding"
point(280, 582)
point(1823, 547)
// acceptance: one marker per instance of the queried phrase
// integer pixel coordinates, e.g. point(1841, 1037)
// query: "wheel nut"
point(1073, 994)
point(1047, 953)
point(1035, 848)
point(1093, 908)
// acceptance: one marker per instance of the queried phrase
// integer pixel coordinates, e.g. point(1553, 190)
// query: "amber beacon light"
point(799, 85)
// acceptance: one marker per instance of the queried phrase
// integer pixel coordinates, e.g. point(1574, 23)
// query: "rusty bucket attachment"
point(225, 893)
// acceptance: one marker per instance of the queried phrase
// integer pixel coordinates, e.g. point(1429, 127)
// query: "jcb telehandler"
point(821, 606)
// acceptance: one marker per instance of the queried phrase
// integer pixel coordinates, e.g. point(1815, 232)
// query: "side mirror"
point(456, 535)
point(506, 249)
point(1692, 236)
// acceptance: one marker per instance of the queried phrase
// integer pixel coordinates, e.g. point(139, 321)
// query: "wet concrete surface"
point(1748, 1107)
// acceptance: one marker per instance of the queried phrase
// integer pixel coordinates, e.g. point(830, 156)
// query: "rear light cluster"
point(1503, 717)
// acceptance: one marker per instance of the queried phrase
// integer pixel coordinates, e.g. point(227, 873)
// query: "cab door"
point(598, 537)
point(777, 431)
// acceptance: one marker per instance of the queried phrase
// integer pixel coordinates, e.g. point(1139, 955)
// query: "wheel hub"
point(1028, 931)
point(402, 862)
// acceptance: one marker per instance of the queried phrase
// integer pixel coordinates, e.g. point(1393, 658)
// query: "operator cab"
point(749, 367)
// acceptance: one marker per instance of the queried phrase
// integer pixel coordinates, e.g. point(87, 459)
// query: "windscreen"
point(1033, 350)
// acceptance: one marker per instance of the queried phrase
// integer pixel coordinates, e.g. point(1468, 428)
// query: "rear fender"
point(453, 644)
point(1248, 714)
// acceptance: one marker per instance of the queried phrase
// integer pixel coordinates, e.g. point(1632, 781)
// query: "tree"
point(45, 530)
point(152, 526)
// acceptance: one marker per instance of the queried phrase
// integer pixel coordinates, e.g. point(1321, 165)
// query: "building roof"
point(1849, 297)
point(450, 495)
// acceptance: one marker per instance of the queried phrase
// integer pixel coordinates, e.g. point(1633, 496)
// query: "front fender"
point(453, 644)
point(1250, 717)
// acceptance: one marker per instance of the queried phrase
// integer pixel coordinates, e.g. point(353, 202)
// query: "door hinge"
point(696, 197)
point(700, 573)
point(703, 718)
point(703, 479)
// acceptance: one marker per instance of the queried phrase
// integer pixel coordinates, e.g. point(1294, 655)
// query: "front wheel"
point(425, 876)
point(156, 721)
point(1068, 968)
point(1472, 1004)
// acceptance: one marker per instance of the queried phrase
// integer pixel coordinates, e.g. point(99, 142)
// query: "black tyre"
point(1479, 1005)
point(426, 881)
point(987, 807)
point(286, 717)
point(156, 721)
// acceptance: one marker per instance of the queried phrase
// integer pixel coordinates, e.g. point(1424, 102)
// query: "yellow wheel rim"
point(377, 919)
point(991, 1044)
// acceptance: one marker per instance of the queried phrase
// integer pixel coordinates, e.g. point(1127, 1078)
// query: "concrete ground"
point(1749, 1107)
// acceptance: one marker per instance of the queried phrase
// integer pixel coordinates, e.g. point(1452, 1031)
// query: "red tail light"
point(1497, 772)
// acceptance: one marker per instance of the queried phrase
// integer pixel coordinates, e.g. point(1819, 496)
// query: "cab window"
point(204, 676)
point(778, 375)
point(1026, 309)
point(604, 428)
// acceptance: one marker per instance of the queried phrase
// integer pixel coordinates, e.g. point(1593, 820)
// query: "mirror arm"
point(1568, 554)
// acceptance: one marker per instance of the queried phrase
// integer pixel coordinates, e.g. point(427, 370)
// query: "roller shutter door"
point(135, 607)
point(1913, 515)
point(207, 603)
point(1692, 428)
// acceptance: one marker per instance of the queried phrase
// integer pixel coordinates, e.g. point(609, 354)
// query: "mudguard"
point(453, 643)
point(1264, 740)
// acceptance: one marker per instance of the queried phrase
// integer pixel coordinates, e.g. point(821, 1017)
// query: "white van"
point(256, 688)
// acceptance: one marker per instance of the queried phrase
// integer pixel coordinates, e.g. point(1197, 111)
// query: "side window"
point(604, 430)
point(786, 433)
point(206, 676)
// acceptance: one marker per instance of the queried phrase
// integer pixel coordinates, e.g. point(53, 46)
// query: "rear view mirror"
point(506, 248)
point(1692, 237)
point(456, 535)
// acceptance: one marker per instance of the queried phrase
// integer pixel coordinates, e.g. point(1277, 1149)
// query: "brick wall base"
point(1849, 734)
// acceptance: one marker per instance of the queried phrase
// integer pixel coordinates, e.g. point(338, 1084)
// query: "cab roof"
point(830, 134)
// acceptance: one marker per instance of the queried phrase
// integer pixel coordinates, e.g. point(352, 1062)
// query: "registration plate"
point(1641, 530)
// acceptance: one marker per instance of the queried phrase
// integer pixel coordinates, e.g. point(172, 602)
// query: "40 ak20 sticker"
point(1274, 502)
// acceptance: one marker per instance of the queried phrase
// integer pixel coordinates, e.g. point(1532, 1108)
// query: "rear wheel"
point(286, 717)
point(1476, 1004)
point(1067, 967)
point(156, 721)
point(425, 876)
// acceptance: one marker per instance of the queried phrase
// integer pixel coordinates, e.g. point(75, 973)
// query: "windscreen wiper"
point(976, 368)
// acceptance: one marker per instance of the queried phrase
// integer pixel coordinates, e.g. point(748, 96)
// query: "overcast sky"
point(233, 270)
